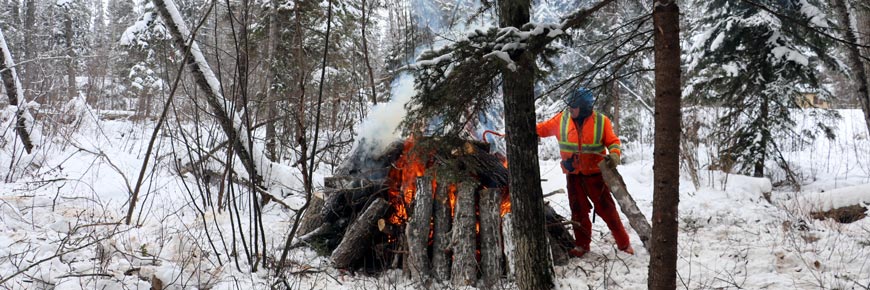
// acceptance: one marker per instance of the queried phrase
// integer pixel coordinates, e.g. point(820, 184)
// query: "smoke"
point(380, 128)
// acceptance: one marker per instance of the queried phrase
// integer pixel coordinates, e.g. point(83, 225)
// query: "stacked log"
point(441, 254)
point(490, 237)
point(417, 230)
point(454, 231)
point(361, 230)
point(464, 271)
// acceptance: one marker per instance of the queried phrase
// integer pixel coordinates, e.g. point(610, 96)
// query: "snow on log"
point(15, 94)
point(464, 271)
point(441, 256)
point(490, 237)
point(626, 203)
point(417, 230)
point(351, 246)
point(846, 205)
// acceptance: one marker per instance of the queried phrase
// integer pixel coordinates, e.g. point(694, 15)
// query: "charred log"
point(368, 164)
point(351, 246)
point(473, 159)
point(347, 202)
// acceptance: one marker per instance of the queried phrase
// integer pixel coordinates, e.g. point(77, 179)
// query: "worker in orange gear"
point(581, 151)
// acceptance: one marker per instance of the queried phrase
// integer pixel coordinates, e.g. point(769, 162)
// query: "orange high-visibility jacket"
point(596, 137)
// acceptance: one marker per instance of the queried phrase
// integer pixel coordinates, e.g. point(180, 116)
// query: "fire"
point(403, 178)
point(505, 202)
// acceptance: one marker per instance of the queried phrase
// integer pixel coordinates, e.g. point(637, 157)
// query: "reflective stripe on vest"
point(566, 146)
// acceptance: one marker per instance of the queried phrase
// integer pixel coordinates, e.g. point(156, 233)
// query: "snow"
point(816, 16)
point(837, 198)
point(789, 54)
point(131, 34)
point(503, 56)
point(729, 234)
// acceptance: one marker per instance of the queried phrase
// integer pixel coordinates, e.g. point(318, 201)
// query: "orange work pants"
point(582, 189)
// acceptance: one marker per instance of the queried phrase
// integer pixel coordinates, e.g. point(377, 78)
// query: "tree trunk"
point(15, 7)
point(764, 115)
point(417, 230)
point(29, 50)
point(441, 256)
point(351, 246)
point(507, 233)
point(534, 269)
point(666, 195)
point(70, 52)
point(365, 45)
point(15, 93)
point(464, 272)
point(862, 14)
point(490, 237)
point(854, 59)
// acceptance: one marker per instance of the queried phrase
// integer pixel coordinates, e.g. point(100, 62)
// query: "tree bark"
point(70, 52)
point(854, 59)
point(534, 268)
point(417, 230)
point(29, 50)
point(441, 256)
point(312, 218)
point(351, 246)
point(464, 272)
point(666, 195)
point(490, 237)
point(15, 93)
point(862, 14)
point(365, 45)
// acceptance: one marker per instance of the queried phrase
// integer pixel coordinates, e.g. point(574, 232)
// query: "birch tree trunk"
point(15, 93)
point(233, 127)
point(666, 195)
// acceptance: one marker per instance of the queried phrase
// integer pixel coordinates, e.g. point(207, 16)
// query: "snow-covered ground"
point(62, 222)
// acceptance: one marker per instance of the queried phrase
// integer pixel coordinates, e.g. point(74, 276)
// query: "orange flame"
point(403, 179)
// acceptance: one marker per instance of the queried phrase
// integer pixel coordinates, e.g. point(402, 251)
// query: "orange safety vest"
point(596, 137)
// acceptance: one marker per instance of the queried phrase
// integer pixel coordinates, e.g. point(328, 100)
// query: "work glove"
point(613, 160)
point(569, 164)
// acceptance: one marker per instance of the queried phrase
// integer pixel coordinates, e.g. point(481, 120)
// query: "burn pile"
point(435, 209)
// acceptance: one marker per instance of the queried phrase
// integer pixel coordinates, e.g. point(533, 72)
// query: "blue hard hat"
point(581, 97)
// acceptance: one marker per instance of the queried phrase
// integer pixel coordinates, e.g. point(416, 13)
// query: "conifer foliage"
point(756, 59)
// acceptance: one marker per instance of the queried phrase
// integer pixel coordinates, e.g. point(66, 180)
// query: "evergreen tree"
point(755, 61)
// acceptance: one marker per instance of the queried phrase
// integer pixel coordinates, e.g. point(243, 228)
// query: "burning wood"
point(436, 213)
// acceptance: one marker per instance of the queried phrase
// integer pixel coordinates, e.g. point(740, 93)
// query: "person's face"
point(575, 112)
point(581, 111)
